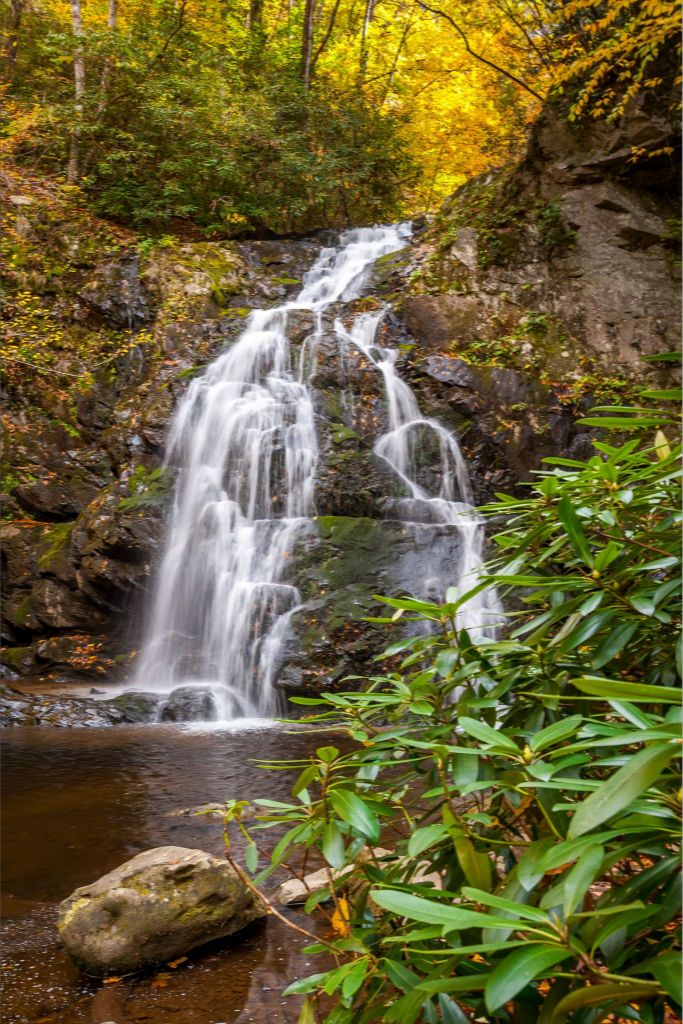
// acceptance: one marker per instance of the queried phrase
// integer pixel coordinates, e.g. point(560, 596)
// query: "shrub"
point(528, 788)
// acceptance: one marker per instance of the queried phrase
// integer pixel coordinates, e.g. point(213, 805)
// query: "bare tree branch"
point(478, 56)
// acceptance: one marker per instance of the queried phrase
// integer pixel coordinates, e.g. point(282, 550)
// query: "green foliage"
point(528, 787)
point(185, 126)
point(552, 230)
point(146, 487)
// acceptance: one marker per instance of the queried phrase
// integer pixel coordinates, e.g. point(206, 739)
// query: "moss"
point(77, 905)
point(552, 229)
point(341, 433)
point(16, 657)
point(146, 488)
point(285, 280)
point(53, 546)
point(22, 613)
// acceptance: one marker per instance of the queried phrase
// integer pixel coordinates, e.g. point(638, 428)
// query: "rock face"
point(155, 907)
point(532, 295)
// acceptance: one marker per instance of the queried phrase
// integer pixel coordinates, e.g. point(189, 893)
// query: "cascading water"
point(400, 447)
point(245, 445)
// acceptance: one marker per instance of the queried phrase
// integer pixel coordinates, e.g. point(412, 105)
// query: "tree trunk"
point(325, 39)
point(307, 43)
point(107, 66)
point(12, 37)
point(79, 91)
point(256, 16)
point(367, 22)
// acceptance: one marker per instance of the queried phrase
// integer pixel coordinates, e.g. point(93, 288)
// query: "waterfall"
point(400, 447)
point(244, 441)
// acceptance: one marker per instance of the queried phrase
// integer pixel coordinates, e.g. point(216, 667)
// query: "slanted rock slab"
point(155, 907)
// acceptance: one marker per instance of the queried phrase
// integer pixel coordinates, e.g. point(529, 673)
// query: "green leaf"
point(622, 788)
point(468, 983)
point(518, 910)
point(668, 970)
point(555, 733)
point(637, 693)
point(423, 838)
point(476, 866)
point(519, 968)
point(485, 734)
point(251, 857)
point(327, 754)
point(580, 877)
point(604, 996)
point(418, 909)
point(307, 1015)
point(332, 846)
point(577, 537)
point(590, 625)
point(307, 776)
point(355, 812)
point(303, 985)
point(450, 1011)
point(400, 975)
point(355, 978)
point(614, 643)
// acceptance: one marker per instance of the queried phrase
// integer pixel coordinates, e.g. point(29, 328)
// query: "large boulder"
point(155, 907)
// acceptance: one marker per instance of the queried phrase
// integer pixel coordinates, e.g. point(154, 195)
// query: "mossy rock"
point(55, 550)
point(157, 906)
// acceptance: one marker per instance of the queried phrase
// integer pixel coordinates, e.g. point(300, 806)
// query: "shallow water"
point(78, 802)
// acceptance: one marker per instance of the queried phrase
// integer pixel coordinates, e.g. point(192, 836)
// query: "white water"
point(245, 442)
point(451, 506)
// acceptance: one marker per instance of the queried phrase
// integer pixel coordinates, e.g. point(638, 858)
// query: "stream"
point(78, 802)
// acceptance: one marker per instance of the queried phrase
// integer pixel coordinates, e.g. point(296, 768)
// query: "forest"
point(215, 119)
point(341, 515)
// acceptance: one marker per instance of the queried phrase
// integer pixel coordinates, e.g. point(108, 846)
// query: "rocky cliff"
point(535, 292)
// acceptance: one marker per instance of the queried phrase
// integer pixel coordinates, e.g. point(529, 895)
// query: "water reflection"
point(78, 802)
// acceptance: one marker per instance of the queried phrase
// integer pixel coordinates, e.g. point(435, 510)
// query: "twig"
point(478, 56)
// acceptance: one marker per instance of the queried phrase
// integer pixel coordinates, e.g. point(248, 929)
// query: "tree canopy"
point(285, 115)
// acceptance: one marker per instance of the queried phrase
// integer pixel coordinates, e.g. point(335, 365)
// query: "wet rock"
point(341, 564)
point(57, 499)
point(189, 704)
point(117, 294)
point(155, 907)
point(55, 605)
point(63, 711)
point(136, 707)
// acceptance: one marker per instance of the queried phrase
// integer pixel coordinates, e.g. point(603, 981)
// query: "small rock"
point(295, 891)
point(155, 907)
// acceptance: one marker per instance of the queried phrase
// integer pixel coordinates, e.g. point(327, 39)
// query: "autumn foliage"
point(283, 115)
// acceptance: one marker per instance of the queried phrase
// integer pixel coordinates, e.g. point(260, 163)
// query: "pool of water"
point(76, 803)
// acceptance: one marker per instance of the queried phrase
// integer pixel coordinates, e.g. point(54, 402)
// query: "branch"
point(478, 56)
point(161, 54)
point(325, 38)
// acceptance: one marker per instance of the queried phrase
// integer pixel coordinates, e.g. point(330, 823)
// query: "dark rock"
point(189, 704)
point(55, 605)
point(57, 499)
point(19, 543)
point(118, 295)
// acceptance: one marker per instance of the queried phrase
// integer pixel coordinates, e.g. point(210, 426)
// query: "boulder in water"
point(189, 704)
point(155, 907)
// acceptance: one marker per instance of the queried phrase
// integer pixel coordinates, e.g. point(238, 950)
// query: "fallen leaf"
point(174, 963)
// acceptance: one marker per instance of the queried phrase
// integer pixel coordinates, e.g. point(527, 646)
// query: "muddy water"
point(78, 802)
